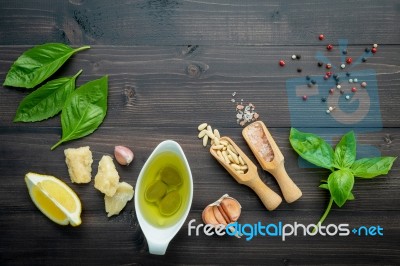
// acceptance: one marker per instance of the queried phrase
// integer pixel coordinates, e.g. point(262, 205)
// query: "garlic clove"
point(208, 216)
point(123, 155)
point(222, 211)
point(218, 216)
point(231, 208)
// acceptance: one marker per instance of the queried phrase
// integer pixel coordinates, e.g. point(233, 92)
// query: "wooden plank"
point(30, 151)
point(198, 22)
point(119, 241)
point(166, 86)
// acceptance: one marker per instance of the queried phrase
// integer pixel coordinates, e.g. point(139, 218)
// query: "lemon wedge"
point(54, 198)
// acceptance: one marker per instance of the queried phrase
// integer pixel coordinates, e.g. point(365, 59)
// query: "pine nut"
point(209, 132)
point(232, 149)
point(234, 156)
point(236, 167)
point(241, 160)
point(202, 126)
point(217, 147)
point(216, 133)
point(205, 140)
point(202, 133)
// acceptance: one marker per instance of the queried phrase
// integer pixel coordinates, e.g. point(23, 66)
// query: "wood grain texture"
point(173, 64)
point(177, 22)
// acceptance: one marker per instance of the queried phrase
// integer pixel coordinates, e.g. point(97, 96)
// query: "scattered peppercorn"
point(313, 81)
point(298, 57)
point(320, 64)
point(354, 89)
point(348, 74)
point(299, 70)
point(329, 47)
point(331, 91)
point(367, 50)
point(294, 57)
point(342, 66)
point(363, 84)
point(364, 59)
point(373, 50)
point(321, 37)
point(328, 66)
point(282, 63)
point(375, 45)
point(304, 97)
point(344, 52)
point(349, 60)
point(323, 99)
point(308, 77)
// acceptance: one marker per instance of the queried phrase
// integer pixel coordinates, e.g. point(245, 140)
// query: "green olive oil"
point(167, 208)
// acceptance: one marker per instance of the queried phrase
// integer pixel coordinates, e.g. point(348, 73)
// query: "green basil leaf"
point(340, 184)
point(312, 148)
point(46, 101)
point(84, 110)
point(38, 63)
point(351, 196)
point(372, 167)
point(325, 186)
point(345, 151)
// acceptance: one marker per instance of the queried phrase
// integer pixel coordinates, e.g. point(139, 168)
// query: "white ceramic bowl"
point(158, 238)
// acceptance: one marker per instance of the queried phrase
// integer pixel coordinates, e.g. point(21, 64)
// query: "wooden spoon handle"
point(290, 191)
point(269, 198)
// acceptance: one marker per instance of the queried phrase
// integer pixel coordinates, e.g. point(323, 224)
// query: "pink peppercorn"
point(328, 66)
point(363, 84)
point(349, 60)
point(373, 50)
point(321, 37)
point(354, 89)
point(281, 63)
point(305, 97)
point(331, 91)
point(329, 47)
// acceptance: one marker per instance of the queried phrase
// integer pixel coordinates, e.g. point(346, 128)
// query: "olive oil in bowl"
point(165, 190)
point(163, 195)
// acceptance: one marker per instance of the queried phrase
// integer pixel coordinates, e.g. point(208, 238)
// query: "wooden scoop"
point(250, 178)
point(270, 157)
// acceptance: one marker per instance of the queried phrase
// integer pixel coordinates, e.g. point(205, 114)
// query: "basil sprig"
point(341, 161)
point(38, 63)
point(84, 110)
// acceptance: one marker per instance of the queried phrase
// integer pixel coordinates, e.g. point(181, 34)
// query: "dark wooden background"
point(173, 64)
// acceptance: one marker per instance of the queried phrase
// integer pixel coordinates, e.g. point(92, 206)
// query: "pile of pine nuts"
point(225, 151)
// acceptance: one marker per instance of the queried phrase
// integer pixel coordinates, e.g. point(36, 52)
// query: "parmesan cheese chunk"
point(107, 178)
point(79, 162)
point(116, 203)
